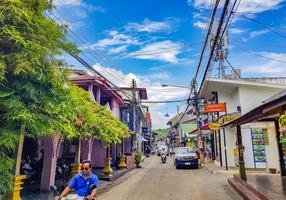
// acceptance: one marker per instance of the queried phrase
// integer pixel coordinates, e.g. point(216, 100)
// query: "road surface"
point(156, 181)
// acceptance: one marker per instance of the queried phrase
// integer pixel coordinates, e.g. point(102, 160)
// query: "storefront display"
point(258, 147)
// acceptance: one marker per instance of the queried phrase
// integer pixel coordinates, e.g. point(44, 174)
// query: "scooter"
point(163, 157)
point(71, 196)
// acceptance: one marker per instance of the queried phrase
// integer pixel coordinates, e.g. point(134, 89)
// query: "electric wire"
point(207, 37)
point(200, 60)
point(233, 68)
point(230, 17)
point(94, 54)
point(261, 24)
point(215, 41)
point(90, 68)
point(256, 54)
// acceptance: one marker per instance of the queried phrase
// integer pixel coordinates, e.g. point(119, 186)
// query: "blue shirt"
point(81, 185)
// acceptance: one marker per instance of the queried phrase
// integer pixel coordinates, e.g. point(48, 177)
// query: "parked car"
point(186, 157)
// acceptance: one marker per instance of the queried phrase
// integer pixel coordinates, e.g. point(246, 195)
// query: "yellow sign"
point(214, 126)
point(226, 119)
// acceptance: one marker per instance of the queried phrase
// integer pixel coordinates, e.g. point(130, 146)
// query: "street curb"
point(245, 190)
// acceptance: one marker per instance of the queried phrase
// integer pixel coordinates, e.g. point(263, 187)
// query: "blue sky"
point(159, 41)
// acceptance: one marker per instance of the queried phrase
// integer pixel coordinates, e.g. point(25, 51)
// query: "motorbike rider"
point(163, 153)
point(81, 182)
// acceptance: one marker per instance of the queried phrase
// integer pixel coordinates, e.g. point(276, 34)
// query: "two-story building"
point(240, 96)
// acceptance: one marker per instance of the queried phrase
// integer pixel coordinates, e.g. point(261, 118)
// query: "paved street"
point(156, 181)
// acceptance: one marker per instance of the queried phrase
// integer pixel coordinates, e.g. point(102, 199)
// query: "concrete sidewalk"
point(214, 169)
point(260, 183)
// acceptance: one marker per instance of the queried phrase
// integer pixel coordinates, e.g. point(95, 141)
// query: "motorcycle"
point(63, 172)
point(163, 157)
point(71, 196)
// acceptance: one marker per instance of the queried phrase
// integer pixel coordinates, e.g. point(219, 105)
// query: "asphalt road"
point(156, 181)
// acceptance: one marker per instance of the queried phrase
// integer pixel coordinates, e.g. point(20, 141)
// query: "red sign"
point(218, 107)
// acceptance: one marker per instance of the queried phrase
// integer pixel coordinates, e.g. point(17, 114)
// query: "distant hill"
point(162, 132)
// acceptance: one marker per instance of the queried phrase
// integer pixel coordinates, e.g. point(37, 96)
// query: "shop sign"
point(226, 119)
point(218, 107)
point(214, 126)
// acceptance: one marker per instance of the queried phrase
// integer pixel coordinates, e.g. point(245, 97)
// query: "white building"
point(241, 96)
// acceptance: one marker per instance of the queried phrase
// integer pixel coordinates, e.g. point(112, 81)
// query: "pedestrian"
point(81, 183)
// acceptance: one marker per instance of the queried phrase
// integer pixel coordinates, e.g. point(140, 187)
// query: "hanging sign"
point(214, 126)
point(227, 118)
point(218, 107)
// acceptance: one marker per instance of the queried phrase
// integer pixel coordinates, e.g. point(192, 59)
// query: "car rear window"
point(184, 151)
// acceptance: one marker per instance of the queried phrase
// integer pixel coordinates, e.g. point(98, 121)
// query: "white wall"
point(231, 98)
point(251, 96)
point(230, 137)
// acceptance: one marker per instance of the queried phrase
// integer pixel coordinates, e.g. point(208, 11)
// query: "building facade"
point(240, 96)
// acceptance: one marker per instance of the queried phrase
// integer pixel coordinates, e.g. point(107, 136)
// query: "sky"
point(159, 42)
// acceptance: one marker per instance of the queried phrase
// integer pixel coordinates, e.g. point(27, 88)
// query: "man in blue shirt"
point(81, 183)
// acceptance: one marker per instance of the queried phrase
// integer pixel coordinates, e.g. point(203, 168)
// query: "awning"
point(204, 127)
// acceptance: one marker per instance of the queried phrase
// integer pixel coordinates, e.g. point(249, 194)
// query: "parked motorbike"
point(32, 168)
point(71, 196)
point(63, 172)
point(163, 157)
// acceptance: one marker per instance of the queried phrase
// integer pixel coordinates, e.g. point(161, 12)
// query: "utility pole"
point(221, 54)
point(197, 109)
point(178, 125)
point(133, 103)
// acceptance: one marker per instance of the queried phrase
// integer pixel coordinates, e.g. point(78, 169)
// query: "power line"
point(84, 63)
point(230, 17)
point(233, 68)
point(256, 54)
point(207, 36)
point(215, 40)
point(261, 24)
point(90, 68)
point(94, 54)
point(90, 51)
point(167, 101)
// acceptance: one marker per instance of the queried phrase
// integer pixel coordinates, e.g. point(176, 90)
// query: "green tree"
point(34, 90)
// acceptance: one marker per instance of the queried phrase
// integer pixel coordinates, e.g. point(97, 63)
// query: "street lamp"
point(179, 86)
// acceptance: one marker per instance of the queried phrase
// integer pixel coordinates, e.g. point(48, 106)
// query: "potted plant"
point(138, 157)
point(282, 130)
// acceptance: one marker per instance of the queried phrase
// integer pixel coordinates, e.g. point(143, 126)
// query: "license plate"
point(187, 163)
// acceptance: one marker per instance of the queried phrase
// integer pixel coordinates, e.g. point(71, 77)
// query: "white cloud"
point(155, 92)
point(236, 31)
point(254, 34)
point(201, 25)
point(67, 2)
point(200, 3)
point(119, 49)
point(246, 6)
point(151, 26)
point(84, 7)
point(158, 75)
point(158, 51)
point(77, 25)
point(257, 6)
point(116, 39)
point(266, 67)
